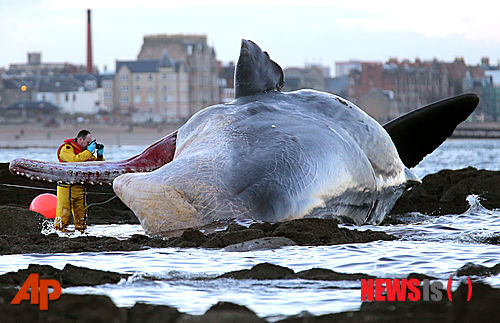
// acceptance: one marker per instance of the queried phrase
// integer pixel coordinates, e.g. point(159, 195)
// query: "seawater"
point(184, 277)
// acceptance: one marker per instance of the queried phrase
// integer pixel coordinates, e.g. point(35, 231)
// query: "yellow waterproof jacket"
point(71, 151)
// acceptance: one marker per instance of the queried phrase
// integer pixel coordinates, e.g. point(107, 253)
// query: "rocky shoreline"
point(98, 308)
point(20, 232)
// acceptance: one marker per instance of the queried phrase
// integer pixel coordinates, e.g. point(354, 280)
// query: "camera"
point(97, 145)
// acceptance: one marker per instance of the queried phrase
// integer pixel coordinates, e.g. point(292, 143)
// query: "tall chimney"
point(89, 44)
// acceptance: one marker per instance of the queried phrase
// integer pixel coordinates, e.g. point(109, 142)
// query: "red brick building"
point(415, 83)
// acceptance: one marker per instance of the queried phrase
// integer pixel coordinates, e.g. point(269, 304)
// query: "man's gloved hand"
point(100, 152)
point(91, 147)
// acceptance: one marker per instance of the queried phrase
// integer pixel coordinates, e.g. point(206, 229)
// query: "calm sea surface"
point(433, 246)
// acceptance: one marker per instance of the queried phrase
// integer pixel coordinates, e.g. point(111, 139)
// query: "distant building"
point(490, 95)
point(379, 104)
point(82, 94)
point(35, 58)
point(153, 89)
point(10, 90)
point(226, 81)
point(309, 77)
point(35, 66)
point(73, 93)
point(344, 68)
point(415, 83)
point(63, 84)
point(201, 61)
point(337, 85)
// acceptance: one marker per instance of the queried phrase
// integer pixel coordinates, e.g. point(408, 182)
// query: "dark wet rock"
point(301, 232)
point(260, 271)
point(391, 219)
point(18, 278)
point(69, 276)
point(470, 269)
point(86, 308)
point(307, 231)
point(139, 238)
point(310, 231)
point(420, 277)
point(260, 244)
point(235, 227)
point(327, 274)
point(232, 237)
point(483, 307)
point(145, 313)
point(194, 236)
point(228, 307)
point(270, 271)
point(264, 226)
point(445, 192)
point(52, 243)
point(213, 242)
point(80, 276)
point(68, 308)
point(226, 312)
point(492, 240)
point(19, 221)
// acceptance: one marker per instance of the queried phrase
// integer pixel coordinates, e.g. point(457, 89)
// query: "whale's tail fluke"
point(417, 133)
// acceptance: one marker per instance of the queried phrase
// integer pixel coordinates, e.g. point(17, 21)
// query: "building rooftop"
point(149, 65)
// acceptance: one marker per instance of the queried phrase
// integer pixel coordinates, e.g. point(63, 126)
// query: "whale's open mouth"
point(97, 173)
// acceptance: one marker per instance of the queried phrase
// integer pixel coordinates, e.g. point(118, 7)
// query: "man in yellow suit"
point(71, 198)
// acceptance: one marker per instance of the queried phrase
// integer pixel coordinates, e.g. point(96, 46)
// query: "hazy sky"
point(293, 32)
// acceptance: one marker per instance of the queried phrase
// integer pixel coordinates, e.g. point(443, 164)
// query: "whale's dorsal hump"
point(255, 71)
point(420, 131)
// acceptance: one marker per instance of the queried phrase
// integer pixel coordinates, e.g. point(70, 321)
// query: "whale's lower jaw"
point(159, 208)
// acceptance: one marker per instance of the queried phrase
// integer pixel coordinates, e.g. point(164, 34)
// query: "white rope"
point(49, 189)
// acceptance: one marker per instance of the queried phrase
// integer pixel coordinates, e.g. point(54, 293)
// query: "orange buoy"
point(45, 204)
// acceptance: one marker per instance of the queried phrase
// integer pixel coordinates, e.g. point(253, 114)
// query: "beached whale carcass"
point(273, 156)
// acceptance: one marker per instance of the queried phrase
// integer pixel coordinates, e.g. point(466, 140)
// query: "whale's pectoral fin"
point(419, 132)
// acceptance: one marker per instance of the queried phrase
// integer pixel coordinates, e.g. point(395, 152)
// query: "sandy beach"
point(32, 135)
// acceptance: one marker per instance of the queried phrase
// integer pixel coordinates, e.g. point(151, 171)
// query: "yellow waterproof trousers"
point(71, 199)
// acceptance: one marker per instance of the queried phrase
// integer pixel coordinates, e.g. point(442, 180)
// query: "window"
point(107, 95)
point(150, 89)
point(74, 97)
point(150, 77)
point(124, 77)
point(123, 89)
point(137, 99)
point(66, 97)
point(164, 76)
point(164, 99)
point(124, 99)
point(137, 77)
point(164, 88)
point(137, 88)
point(151, 99)
point(222, 82)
